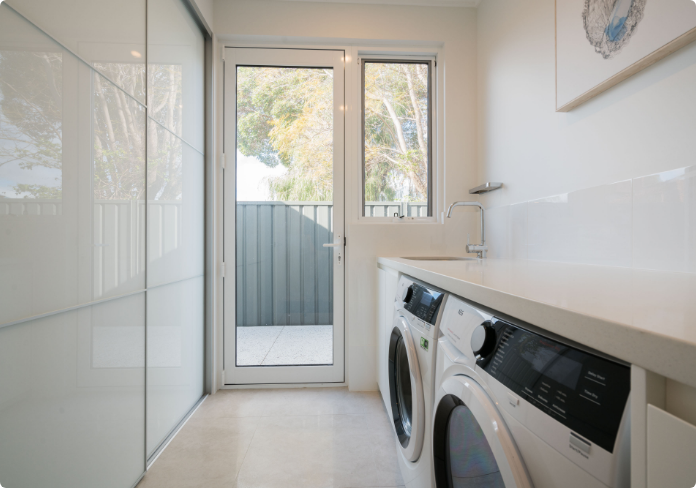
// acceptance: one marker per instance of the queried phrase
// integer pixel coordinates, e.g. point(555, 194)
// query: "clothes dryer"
point(411, 363)
point(517, 407)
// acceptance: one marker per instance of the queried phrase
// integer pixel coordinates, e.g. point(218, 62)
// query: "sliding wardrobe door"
point(72, 244)
point(175, 218)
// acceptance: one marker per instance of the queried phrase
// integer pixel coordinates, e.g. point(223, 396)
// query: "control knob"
point(408, 294)
point(483, 339)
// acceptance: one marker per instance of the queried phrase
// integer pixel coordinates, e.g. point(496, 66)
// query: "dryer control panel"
point(420, 299)
point(584, 392)
point(423, 302)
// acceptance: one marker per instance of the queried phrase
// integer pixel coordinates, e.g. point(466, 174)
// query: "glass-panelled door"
point(283, 216)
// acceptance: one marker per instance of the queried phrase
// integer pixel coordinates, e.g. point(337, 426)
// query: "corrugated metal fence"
point(284, 275)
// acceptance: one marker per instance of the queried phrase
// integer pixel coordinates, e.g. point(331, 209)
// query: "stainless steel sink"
point(439, 258)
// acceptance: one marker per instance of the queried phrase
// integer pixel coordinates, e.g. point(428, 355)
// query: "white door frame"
point(232, 374)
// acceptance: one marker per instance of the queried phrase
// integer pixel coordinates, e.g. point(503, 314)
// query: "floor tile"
point(244, 403)
point(321, 450)
point(204, 451)
point(303, 437)
point(323, 401)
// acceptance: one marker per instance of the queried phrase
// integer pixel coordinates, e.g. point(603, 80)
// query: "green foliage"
point(396, 132)
point(285, 116)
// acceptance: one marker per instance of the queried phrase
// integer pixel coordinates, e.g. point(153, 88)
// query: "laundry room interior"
point(347, 243)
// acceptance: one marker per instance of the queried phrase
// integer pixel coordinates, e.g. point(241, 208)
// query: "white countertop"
point(647, 318)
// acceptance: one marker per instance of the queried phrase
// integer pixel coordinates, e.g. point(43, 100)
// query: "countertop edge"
point(661, 354)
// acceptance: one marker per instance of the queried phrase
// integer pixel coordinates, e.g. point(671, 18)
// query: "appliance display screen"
point(425, 303)
point(549, 359)
point(584, 392)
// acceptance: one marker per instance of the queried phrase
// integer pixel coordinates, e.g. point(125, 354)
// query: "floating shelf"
point(485, 188)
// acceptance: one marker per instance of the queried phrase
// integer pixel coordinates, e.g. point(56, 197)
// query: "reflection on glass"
point(176, 70)
point(164, 94)
point(72, 396)
point(284, 216)
point(174, 355)
point(98, 31)
point(470, 461)
point(175, 208)
point(403, 388)
point(176, 215)
point(72, 177)
point(119, 145)
point(396, 121)
point(31, 125)
point(118, 188)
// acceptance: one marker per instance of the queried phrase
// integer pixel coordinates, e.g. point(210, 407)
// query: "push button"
point(581, 444)
point(514, 401)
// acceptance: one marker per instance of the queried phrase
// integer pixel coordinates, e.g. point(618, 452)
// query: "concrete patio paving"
point(275, 345)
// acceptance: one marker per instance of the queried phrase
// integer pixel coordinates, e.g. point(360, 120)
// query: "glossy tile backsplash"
point(664, 223)
point(647, 222)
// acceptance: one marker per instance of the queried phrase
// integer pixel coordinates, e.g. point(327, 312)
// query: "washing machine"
point(411, 373)
point(517, 407)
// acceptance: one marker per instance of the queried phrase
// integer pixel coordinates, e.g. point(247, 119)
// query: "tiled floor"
point(309, 438)
point(285, 344)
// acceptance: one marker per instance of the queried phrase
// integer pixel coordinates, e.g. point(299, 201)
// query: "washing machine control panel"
point(423, 302)
point(584, 392)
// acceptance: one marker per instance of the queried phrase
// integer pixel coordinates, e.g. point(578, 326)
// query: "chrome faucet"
point(479, 249)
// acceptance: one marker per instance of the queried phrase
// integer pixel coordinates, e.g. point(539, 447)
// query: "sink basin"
point(439, 258)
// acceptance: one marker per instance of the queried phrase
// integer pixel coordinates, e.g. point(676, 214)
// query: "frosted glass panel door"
point(284, 141)
point(175, 219)
point(72, 246)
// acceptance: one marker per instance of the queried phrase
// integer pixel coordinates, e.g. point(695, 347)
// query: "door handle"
point(337, 243)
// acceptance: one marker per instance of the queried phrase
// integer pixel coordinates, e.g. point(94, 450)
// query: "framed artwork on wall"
point(600, 43)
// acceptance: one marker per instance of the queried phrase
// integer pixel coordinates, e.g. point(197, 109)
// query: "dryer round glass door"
point(469, 460)
point(404, 393)
point(471, 445)
point(406, 390)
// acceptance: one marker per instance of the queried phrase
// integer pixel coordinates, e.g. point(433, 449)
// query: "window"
point(397, 138)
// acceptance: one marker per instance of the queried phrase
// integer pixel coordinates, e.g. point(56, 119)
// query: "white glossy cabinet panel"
point(382, 380)
point(671, 448)
point(174, 355)
point(72, 398)
point(387, 282)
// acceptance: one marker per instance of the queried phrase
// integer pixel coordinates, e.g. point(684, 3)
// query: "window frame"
point(431, 62)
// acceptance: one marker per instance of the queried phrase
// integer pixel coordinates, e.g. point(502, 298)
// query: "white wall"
point(642, 126)
point(577, 185)
point(451, 30)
